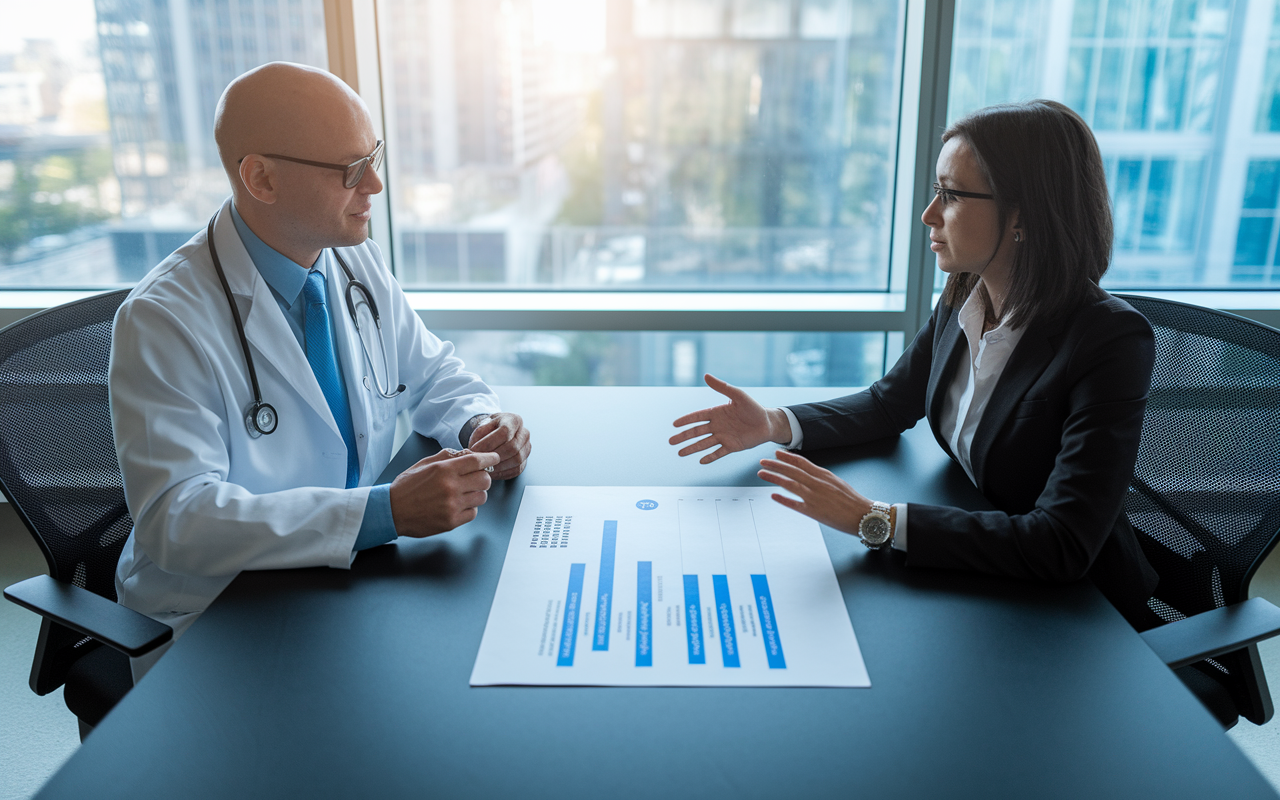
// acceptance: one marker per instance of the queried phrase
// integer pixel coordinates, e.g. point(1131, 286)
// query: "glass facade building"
point(651, 146)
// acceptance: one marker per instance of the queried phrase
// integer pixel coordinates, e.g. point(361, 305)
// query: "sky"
point(68, 22)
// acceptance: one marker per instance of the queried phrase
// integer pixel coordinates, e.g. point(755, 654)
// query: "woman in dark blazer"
point(1032, 377)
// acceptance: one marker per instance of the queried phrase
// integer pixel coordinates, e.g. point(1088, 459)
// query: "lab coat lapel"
point(1025, 366)
point(269, 335)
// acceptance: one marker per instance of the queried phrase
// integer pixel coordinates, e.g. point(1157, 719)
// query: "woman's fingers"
point(788, 482)
point(697, 416)
point(685, 435)
point(699, 446)
point(800, 462)
point(727, 389)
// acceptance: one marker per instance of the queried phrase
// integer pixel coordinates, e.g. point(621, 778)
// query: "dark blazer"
point(1054, 451)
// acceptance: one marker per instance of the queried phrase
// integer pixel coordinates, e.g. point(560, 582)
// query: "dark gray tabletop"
point(325, 683)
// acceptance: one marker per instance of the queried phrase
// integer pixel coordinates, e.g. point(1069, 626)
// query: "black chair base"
point(95, 683)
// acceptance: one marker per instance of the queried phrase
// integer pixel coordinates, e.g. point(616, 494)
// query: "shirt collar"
point(284, 275)
point(973, 317)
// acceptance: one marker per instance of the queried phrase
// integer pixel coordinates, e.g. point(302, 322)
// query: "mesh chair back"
point(1205, 496)
point(57, 455)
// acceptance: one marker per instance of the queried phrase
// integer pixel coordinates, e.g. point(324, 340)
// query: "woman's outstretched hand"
point(823, 496)
point(740, 424)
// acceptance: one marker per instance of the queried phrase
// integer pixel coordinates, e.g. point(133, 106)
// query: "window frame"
point(353, 31)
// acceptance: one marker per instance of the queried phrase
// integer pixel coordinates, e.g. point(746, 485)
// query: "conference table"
point(323, 683)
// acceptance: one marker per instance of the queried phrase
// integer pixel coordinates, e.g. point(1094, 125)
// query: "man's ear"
point(259, 178)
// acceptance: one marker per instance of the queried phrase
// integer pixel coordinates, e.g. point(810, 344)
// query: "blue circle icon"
point(646, 505)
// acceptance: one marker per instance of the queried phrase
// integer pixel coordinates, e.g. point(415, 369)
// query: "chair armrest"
point(83, 611)
point(1213, 633)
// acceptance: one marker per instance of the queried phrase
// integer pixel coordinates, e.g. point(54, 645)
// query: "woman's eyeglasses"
point(948, 195)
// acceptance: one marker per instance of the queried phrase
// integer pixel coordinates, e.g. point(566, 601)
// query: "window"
point(1184, 113)
point(653, 144)
point(108, 162)
point(688, 183)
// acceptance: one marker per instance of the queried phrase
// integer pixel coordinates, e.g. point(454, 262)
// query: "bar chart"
point(666, 586)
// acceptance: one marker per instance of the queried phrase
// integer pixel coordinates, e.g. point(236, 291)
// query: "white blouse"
point(966, 399)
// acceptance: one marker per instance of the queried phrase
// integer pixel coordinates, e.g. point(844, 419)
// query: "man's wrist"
point(469, 428)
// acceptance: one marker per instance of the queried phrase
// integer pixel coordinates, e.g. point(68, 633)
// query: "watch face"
point(875, 529)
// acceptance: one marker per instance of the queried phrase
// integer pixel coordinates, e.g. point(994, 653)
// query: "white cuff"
point(900, 527)
point(797, 436)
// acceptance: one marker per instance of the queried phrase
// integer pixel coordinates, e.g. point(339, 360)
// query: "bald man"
point(257, 372)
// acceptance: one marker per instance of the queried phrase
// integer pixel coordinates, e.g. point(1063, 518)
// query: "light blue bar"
point(768, 623)
point(604, 591)
point(569, 631)
point(693, 620)
point(644, 614)
point(724, 617)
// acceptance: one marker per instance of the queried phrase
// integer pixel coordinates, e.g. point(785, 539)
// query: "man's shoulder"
point(178, 285)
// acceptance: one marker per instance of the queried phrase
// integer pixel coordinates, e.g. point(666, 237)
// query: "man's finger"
point(491, 440)
point(445, 454)
point(474, 462)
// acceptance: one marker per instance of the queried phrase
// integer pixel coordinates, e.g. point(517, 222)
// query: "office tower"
point(754, 141)
point(1184, 112)
point(165, 64)
point(478, 107)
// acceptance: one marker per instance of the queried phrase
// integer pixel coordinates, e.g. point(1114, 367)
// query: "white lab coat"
point(207, 499)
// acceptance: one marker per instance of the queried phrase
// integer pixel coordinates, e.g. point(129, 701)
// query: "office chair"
point(1205, 499)
point(58, 469)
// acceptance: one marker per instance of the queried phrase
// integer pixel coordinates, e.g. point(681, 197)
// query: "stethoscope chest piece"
point(261, 419)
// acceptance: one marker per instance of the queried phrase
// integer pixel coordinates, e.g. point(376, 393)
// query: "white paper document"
point(670, 586)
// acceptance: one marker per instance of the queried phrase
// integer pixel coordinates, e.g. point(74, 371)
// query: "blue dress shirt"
point(285, 278)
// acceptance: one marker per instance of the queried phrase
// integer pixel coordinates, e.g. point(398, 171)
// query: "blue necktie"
point(324, 363)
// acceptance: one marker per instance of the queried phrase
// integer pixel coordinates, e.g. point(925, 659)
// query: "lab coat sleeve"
point(170, 421)
point(441, 394)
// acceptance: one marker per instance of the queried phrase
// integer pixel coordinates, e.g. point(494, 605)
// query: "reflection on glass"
point(676, 358)
point(1170, 90)
point(642, 144)
point(107, 159)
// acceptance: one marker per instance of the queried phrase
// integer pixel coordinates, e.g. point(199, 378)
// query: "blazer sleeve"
point(888, 407)
point(1106, 379)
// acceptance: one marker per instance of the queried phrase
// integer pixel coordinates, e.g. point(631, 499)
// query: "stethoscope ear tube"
point(261, 418)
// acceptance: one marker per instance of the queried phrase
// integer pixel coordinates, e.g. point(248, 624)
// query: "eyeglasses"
point(352, 173)
point(947, 195)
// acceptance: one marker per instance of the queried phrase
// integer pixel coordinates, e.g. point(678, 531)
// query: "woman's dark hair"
point(1040, 158)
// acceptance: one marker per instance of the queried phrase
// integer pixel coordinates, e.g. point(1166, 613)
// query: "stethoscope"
point(261, 418)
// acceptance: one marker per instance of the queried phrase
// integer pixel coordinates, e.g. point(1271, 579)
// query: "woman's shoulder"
point(1106, 313)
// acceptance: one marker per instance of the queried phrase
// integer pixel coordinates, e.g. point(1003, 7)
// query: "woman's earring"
point(1017, 236)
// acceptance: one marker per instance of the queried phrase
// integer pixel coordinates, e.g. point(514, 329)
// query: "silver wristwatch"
point(876, 528)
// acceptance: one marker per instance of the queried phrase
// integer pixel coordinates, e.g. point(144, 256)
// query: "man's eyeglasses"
point(351, 173)
point(947, 195)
